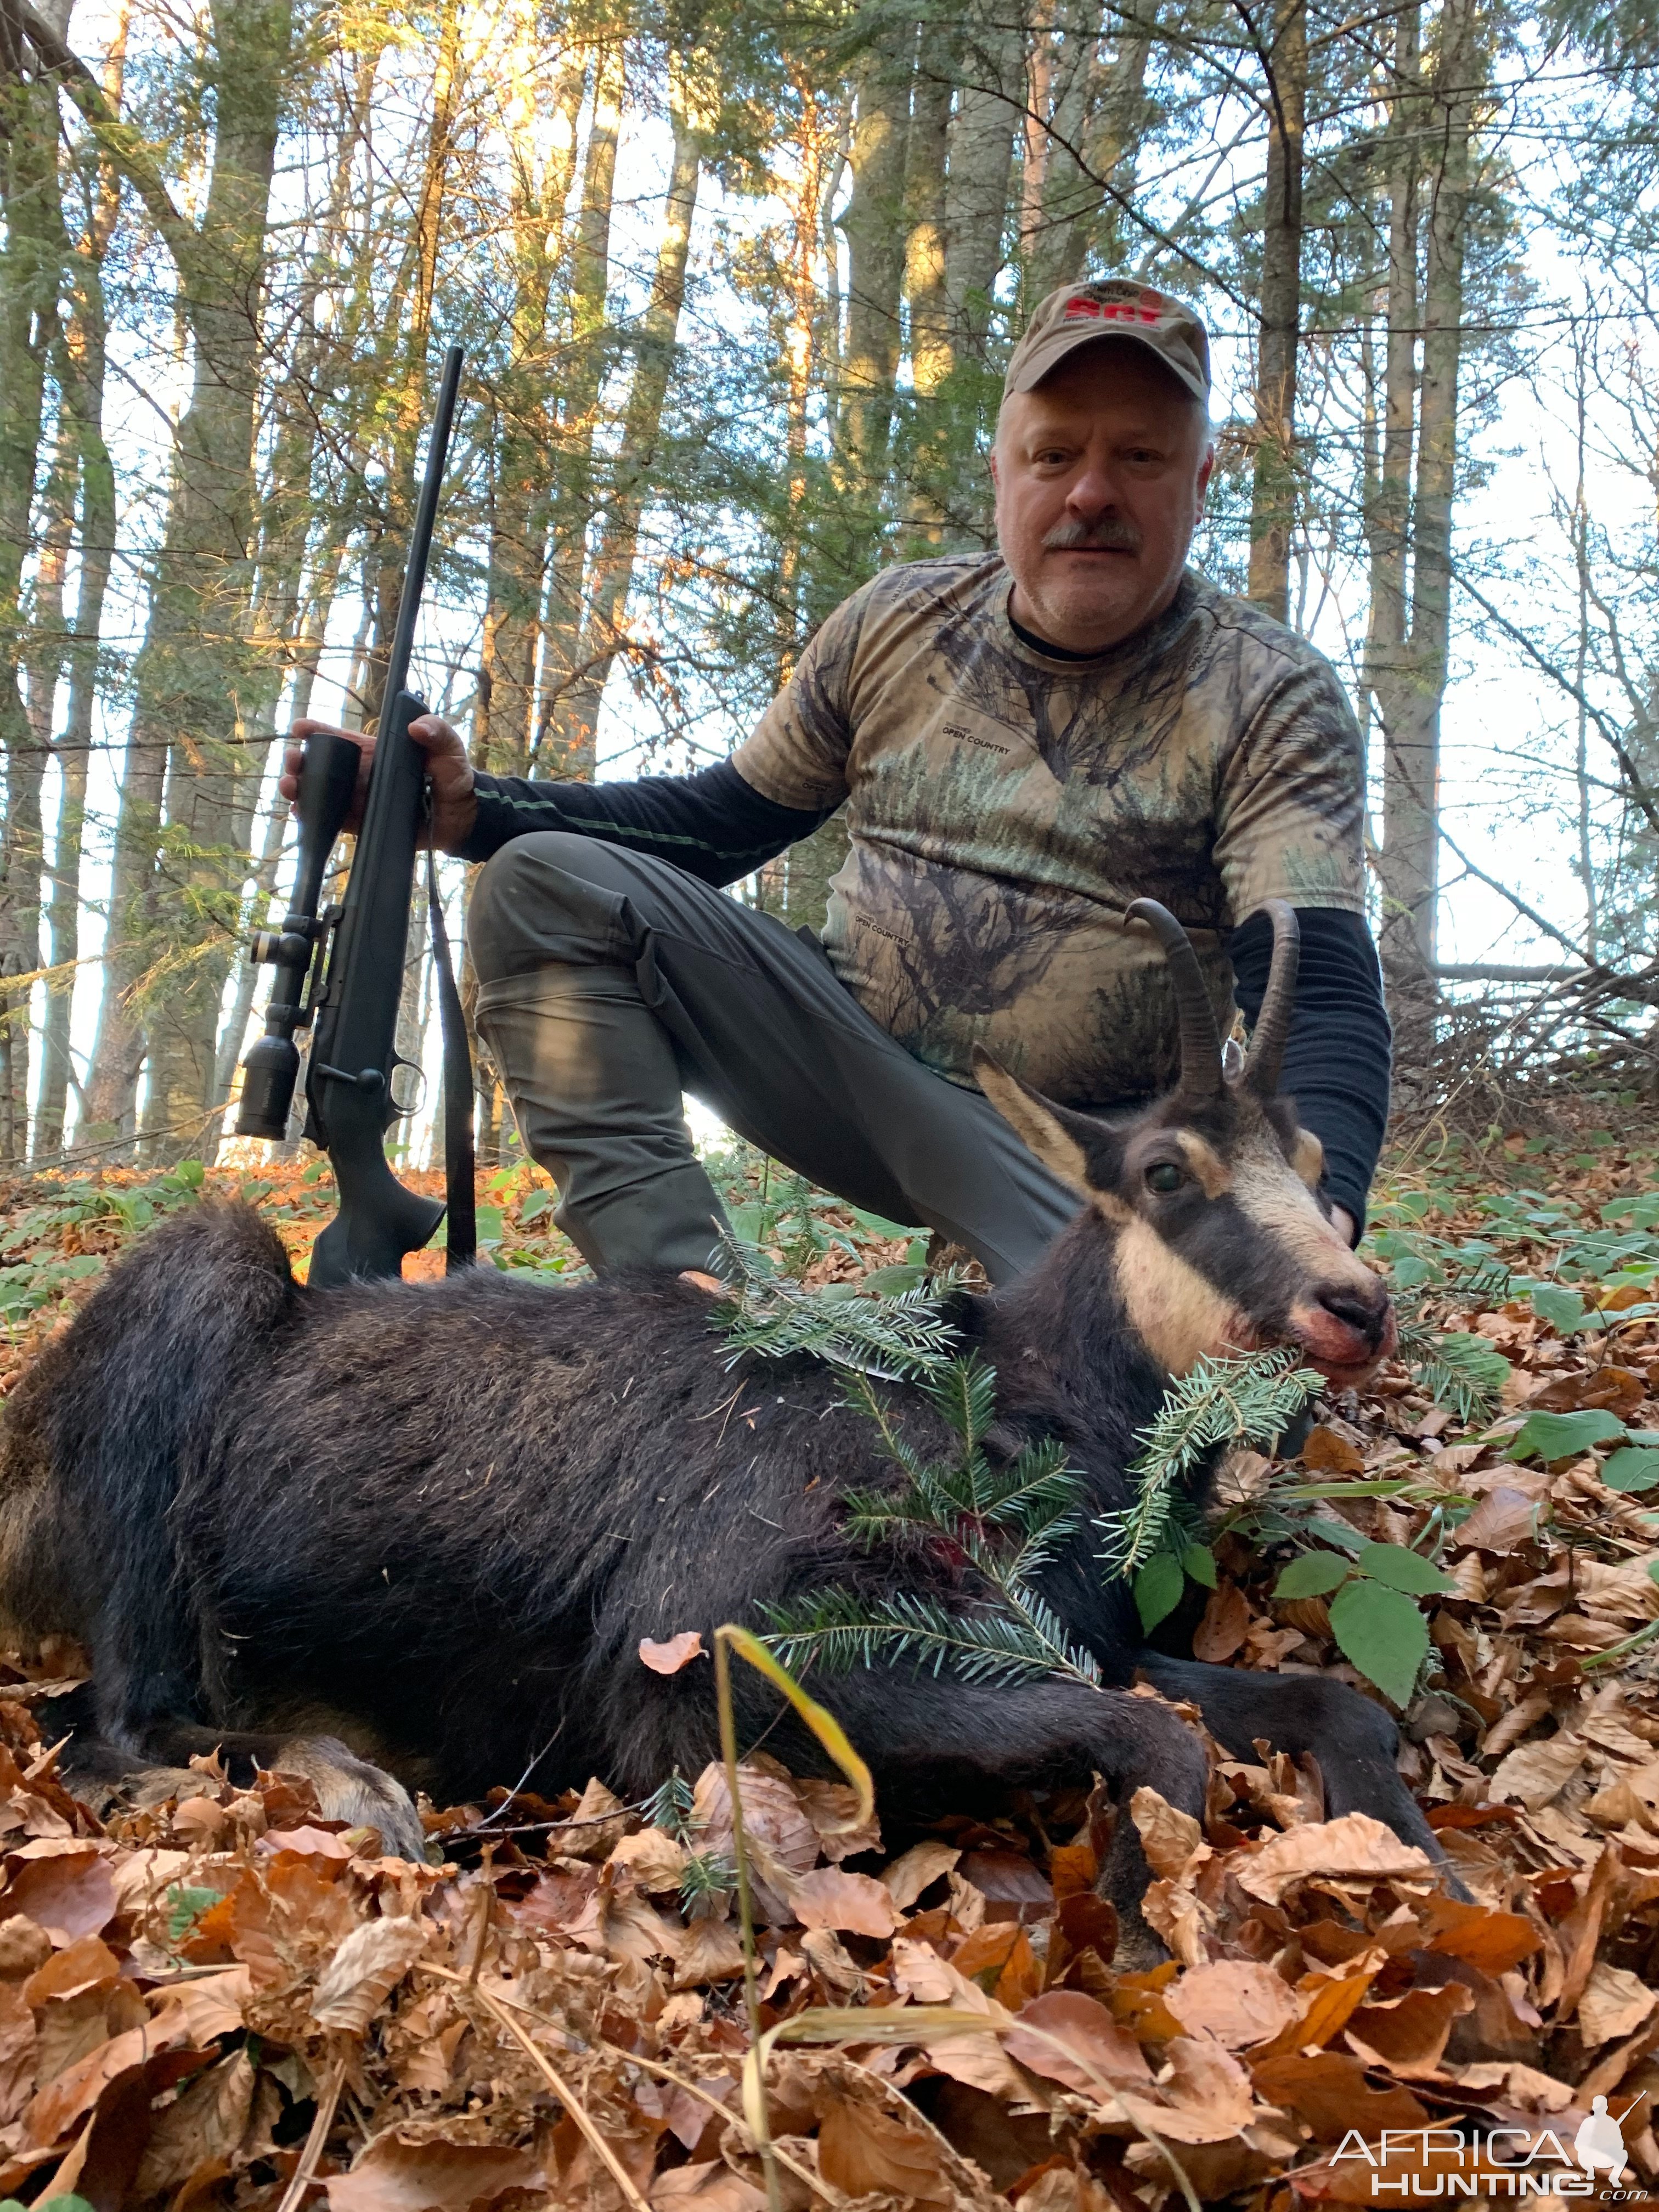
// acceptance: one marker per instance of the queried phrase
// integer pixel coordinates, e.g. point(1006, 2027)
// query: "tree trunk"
point(981, 158)
point(1113, 125)
point(1412, 764)
point(32, 266)
point(638, 457)
point(168, 953)
point(874, 225)
point(1272, 502)
point(82, 400)
point(519, 510)
point(573, 514)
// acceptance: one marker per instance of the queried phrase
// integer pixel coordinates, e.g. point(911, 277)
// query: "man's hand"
point(454, 807)
point(1342, 1221)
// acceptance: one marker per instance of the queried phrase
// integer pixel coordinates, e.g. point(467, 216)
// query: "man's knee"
point(534, 902)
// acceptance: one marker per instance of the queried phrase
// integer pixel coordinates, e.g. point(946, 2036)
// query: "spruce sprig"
point(1249, 1400)
point(898, 1336)
point(1005, 1519)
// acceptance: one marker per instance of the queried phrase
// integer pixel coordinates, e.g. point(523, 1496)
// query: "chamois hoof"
point(349, 1789)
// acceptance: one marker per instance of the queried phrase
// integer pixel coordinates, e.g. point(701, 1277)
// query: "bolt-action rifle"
point(340, 969)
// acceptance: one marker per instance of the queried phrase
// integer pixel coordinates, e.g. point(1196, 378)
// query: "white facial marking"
point(1177, 1314)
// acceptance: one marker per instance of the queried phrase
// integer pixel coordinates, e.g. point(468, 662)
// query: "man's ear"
point(1061, 1139)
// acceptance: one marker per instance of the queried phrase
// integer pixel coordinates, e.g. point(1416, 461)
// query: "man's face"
point(1099, 473)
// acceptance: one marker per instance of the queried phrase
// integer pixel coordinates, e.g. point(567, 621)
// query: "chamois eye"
point(1164, 1176)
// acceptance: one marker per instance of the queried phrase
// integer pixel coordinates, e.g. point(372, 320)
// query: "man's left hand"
point(1342, 1220)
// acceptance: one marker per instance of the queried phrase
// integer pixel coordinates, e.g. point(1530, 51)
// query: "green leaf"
point(1410, 1271)
point(1402, 1569)
point(1157, 1589)
point(1563, 1309)
point(1562, 1436)
point(1383, 1633)
point(535, 1205)
point(1635, 1467)
point(1315, 1574)
point(1199, 1561)
point(888, 1282)
point(489, 1224)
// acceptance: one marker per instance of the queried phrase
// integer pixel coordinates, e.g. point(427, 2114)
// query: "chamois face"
point(1221, 1243)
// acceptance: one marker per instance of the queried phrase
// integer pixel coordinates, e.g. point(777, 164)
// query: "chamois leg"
point(153, 1764)
point(1352, 1737)
point(938, 1734)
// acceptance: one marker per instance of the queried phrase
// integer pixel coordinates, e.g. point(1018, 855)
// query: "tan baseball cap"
point(1115, 308)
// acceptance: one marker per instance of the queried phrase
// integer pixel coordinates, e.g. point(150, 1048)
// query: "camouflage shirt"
point(1004, 807)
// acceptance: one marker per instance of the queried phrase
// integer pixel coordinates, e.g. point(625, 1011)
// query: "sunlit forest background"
point(737, 285)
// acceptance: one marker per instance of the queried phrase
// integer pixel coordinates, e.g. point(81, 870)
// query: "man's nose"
point(1091, 495)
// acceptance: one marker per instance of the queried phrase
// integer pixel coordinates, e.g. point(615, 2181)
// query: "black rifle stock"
point(354, 1008)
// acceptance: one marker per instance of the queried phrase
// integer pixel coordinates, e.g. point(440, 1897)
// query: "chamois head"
point(1222, 1243)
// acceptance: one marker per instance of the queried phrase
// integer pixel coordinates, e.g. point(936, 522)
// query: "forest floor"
point(226, 2000)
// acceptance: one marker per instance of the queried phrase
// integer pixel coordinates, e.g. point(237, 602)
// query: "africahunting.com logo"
point(1419, 2164)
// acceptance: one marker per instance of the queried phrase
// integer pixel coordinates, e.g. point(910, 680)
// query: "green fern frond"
point(1250, 1400)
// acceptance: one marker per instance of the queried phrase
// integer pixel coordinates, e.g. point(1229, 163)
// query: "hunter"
point(1024, 741)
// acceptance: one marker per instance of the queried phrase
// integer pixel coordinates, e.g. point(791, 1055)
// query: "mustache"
point(1103, 536)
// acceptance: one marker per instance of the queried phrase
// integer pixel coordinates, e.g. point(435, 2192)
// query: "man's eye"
point(1164, 1178)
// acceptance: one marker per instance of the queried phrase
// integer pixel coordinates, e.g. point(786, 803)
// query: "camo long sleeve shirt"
point(1004, 807)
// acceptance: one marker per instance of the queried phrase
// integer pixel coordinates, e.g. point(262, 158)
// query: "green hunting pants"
point(611, 983)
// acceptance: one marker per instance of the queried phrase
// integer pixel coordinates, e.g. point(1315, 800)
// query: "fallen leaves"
point(678, 1652)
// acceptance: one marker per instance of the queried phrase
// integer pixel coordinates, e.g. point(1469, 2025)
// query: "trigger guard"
point(402, 1113)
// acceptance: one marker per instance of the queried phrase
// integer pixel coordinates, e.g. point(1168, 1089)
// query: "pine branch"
point(1249, 1400)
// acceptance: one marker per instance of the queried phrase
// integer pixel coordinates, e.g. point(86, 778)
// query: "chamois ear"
point(1059, 1137)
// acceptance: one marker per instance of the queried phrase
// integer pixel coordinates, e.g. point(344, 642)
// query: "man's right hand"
point(454, 805)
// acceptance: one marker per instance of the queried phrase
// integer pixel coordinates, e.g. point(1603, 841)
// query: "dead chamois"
point(433, 1521)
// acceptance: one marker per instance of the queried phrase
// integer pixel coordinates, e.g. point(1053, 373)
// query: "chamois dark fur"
point(436, 1519)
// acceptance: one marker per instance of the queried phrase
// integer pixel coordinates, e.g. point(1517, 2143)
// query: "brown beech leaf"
point(1070, 2037)
point(69, 1895)
point(16, 2052)
point(1615, 2001)
point(1503, 1519)
point(363, 1973)
point(430, 2174)
point(1408, 2034)
point(999, 1958)
point(710, 2187)
point(1235, 2001)
point(678, 1651)
point(920, 1867)
point(1204, 2078)
point(1329, 2091)
point(1326, 1453)
point(1225, 1623)
point(855, 1903)
point(1355, 1848)
point(1171, 1839)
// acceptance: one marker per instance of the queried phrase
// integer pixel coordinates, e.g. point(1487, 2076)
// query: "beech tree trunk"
point(981, 160)
point(604, 633)
point(520, 507)
point(561, 751)
point(874, 226)
point(1272, 501)
point(1411, 800)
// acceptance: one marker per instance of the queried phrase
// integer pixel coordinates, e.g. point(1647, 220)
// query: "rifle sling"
point(458, 1150)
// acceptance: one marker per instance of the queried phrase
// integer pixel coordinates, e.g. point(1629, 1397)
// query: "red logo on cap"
point(1081, 308)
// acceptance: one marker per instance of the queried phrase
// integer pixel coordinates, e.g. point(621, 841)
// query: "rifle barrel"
point(426, 516)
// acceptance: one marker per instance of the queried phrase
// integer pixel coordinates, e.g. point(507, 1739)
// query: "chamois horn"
point(1201, 1039)
point(1266, 1057)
